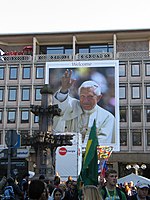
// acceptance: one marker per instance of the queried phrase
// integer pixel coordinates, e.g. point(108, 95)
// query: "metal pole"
point(9, 162)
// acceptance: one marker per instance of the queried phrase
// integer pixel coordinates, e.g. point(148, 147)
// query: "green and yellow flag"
point(89, 171)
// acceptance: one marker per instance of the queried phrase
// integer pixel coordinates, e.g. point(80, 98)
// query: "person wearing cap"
point(79, 115)
point(142, 191)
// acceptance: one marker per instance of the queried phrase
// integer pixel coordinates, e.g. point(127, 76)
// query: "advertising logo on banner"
point(96, 99)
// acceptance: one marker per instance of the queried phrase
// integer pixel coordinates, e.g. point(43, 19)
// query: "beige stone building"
point(22, 71)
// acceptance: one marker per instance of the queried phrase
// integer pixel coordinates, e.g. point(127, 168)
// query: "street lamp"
point(136, 167)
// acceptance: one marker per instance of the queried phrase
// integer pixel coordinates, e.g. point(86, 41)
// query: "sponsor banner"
point(69, 159)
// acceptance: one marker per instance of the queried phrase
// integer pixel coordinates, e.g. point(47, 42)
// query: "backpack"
point(118, 192)
point(8, 193)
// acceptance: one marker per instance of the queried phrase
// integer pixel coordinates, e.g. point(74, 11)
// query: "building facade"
point(22, 72)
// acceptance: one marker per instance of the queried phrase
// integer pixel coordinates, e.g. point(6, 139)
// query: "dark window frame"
point(135, 86)
point(2, 73)
point(1, 116)
point(9, 121)
point(147, 87)
point(125, 93)
point(135, 64)
point(23, 121)
point(148, 114)
point(10, 73)
point(9, 93)
point(148, 137)
point(125, 68)
point(2, 94)
point(123, 116)
point(24, 74)
point(35, 119)
point(22, 94)
point(136, 138)
point(37, 99)
point(37, 76)
point(123, 138)
point(136, 117)
point(147, 69)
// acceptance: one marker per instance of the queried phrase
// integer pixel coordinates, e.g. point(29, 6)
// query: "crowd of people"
point(43, 189)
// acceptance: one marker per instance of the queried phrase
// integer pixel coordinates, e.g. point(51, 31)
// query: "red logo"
point(62, 151)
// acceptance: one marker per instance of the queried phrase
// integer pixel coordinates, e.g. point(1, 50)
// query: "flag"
point(89, 171)
point(104, 168)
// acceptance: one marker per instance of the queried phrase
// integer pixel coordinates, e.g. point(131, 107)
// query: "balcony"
point(132, 55)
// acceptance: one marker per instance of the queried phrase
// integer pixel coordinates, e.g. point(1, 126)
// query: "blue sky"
point(29, 16)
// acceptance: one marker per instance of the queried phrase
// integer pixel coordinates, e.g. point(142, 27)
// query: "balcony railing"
point(50, 57)
point(16, 58)
point(65, 57)
point(95, 56)
point(133, 55)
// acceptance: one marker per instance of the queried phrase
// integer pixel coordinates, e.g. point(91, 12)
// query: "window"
point(122, 92)
point(25, 94)
point(11, 118)
point(136, 138)
point(148, 137)
point(26, 72)
point(135, 92)
point(1, 94)
point(39, 72)
point(38, 95)
point(1, 73)
point(123, 114)
point(79, 49)
point(13, 73)
point(95, 48)
point(12, 94)
point(135, 69)
point(1, 114)
point(24, 116)
point(147, 69)
point(148, 114)
point(59, 50)
point(136, 114)
point(147, 91)
point(36, 119)
point(122, 70)
point(123, 138)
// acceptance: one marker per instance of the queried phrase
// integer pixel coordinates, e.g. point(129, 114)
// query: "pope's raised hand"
point(67, 81)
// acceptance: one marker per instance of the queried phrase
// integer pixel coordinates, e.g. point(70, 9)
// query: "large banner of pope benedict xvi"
point(86, 91)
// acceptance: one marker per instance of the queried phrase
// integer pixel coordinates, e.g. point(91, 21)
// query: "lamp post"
point(44, 141)
point(136, 167)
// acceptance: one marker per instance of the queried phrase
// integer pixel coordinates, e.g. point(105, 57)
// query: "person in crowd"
point(57, 194)
point(79, 115)
point(16, 189)
point(56, 180)
point(50, 187)
point(132, 187)
point(63, 187)
point(42, 178)
point(90, 192)
point(24, 185)
point(110, 191)
point(37, 190)
point(72, 193)
point(101, 181)
point(142, 191)
point(68, 184)
point(3, 182)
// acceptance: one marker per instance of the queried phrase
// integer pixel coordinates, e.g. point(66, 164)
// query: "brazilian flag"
point(89, 171)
